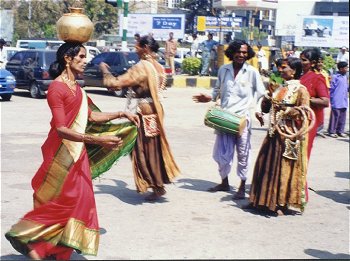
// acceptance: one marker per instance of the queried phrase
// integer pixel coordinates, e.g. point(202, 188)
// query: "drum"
point(224, 121)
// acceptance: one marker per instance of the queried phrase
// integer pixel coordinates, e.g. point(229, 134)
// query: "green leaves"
point(191, 65)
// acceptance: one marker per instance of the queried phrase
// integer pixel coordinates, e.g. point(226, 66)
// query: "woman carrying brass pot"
point(279, 178)
point(153, 162)
point(64, 217)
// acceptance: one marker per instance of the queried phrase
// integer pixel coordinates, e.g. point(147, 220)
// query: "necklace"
point(71, 84)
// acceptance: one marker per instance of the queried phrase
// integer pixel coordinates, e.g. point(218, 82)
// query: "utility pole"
point(125, 25)
point(122, 12)
point(29, 17)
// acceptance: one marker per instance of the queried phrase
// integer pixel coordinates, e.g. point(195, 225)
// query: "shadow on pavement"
point(13, 257)
point(22, 93)
point(321, 254)
point(121, 192)
point(264, 212)
point(342, 197)
point(259, 129)
point(345, 175)
point(196, 184)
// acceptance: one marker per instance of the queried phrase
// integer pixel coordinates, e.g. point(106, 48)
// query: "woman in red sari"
point(317, 88)
point(64, 216)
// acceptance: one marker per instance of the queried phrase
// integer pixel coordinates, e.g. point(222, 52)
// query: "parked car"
point(91, 52)
point(31, 70)
point(181, 53)
point(119, 62)
point(7, 84)
point(8, 52)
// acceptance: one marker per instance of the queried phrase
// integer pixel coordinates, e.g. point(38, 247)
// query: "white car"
point(181, 53)
point(91, 52)
point(8, 52)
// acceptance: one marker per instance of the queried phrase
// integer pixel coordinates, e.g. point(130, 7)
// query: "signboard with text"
point(218, 24)
point(167, 23)
point(160, 25)
point(322, 31)
point(6, 24)
point(245, 4)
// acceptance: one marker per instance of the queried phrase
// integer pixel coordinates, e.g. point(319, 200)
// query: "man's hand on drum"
point(201, 98)
point(259, 117)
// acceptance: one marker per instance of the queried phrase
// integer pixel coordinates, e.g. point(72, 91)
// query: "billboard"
point(322, 31)
point(217, 24)
point(160, 25)
point(245, 4)
point(6, 24)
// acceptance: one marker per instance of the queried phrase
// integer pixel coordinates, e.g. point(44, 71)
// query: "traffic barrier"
point(182, 81)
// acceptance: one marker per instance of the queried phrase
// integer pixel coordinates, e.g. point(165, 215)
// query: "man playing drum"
point(236, 86)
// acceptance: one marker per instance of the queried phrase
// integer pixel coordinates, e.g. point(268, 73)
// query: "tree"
point(196, 8)
point(37, 19)
point(253, 34)
point(103, 16)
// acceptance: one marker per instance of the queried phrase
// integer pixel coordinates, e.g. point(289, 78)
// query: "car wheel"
point(119, 93)
point(6, 97)
point(35, 91)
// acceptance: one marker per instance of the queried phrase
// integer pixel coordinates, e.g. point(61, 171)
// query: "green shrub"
point(191, 65)
point(329, 63)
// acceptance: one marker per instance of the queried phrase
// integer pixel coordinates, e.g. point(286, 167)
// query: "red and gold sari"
point(64, 215)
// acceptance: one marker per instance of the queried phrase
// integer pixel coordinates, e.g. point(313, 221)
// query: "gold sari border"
point(74, 234)
point(67, 154)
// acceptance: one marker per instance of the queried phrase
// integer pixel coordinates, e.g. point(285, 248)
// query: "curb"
point(182, 81)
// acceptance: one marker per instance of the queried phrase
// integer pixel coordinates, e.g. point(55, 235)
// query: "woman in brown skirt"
point(153, 162)
point(279, 178)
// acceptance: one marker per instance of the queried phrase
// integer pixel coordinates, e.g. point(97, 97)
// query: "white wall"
point(287, 15)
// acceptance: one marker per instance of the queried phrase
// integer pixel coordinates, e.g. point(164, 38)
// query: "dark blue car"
point(7, 84)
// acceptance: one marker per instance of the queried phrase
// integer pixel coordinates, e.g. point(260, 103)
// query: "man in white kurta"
point(236, 86)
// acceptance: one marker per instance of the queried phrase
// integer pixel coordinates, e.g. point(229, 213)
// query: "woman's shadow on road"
point(123, 193)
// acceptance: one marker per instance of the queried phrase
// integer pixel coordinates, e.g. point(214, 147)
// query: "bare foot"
point(280, 212)
point(34, 255)
point(220, 187)
point(156, 194)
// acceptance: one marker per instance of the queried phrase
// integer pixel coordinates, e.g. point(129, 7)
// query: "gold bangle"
point(88, 139)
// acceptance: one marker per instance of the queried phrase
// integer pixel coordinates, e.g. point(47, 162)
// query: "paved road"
point(189, 223)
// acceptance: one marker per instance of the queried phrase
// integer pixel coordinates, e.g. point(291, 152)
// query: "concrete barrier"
point(182, 81)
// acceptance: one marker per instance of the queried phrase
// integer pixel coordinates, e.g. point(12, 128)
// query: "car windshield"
point(10, 53)
point(50, 57)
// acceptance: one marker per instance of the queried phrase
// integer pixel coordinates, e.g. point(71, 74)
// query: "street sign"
point(166, 23)
point(218, 24)
point(159, 25)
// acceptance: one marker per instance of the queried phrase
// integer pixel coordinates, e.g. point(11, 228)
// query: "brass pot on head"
point(74, 26)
